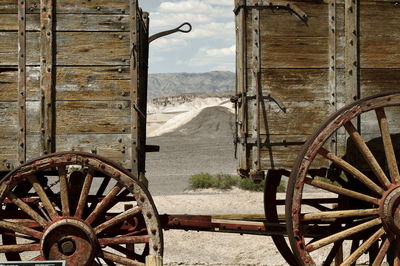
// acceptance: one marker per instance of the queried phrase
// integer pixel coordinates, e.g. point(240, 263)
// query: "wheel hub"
point(71, 240)
point(390, 211)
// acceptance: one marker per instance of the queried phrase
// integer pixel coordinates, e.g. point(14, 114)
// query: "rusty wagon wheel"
point(272, 182)
point(356, 207)
point(71, 208)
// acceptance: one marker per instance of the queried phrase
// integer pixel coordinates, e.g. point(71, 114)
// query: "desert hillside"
point(162, 85)
point(194, 136)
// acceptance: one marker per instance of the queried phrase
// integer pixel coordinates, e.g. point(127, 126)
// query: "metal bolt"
point(119, 70)
point(122, 27)
point(69, 158)
point(148, 214)
point(153, 231)
point(117, 174)
point(142, 198)
point(102, 166)
point(155, 247)
point(98, 8)
point(120, 37)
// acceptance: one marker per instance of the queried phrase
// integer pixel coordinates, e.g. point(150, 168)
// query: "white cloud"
point(215, 58)
point(214, 29)
point(221, 2)
point(168, 44)
point(156, 59)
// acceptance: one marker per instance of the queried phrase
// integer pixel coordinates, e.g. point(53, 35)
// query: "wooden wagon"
point(73, 76)
point(297, 63)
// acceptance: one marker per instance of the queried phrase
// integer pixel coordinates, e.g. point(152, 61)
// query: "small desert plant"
point(225, 181)
point(202, 180)
point(248, 184)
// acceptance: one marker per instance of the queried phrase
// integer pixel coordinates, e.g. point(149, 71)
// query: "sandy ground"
point(210, 248)
point(205, 248)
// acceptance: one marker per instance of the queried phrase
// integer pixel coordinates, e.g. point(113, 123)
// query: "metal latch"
point(168, 32)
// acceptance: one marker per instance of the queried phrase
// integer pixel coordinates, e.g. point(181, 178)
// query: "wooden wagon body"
point(300, 61)
point(73, 77)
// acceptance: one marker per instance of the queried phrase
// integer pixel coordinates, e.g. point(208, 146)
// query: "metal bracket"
point(168, 32)
point(273, 4)
point(270, 98)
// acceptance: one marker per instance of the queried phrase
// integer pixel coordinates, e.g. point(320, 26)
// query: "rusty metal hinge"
point(273, 4)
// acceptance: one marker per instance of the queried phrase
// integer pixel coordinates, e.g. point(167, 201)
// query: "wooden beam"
point(21, 81)
point(134, 69)
point(255, 88)
point(352, 57)
point(241, 85)
point(47, 117)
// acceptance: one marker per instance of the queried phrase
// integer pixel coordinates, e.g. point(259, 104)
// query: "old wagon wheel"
point(364, 189)
point(80, 216)
point(272, 182)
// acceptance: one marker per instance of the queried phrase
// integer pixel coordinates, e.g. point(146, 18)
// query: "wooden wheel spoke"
point(342, 235)
point(340, 190)
point(64, 191)
point(336, 249)
point(21, 229)
point(84, 194)
point(124, 240)
point(367, 154)
point(352, 170)
point(119, 259)
point(117, 219)
point(364, 247)
point(43, 197)
point(388, 145)
point(19, 247)
point(328, 215)
point(382, 252)
point(27, 209)
point(104, 203)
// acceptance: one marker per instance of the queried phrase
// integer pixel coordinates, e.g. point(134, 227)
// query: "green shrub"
point(225, 181)
point(248, 184)
point(202, 180)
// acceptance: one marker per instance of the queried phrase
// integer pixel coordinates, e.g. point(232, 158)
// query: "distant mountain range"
point(161, 85)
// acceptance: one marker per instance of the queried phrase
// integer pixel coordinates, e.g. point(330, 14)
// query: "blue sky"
point(211, 44)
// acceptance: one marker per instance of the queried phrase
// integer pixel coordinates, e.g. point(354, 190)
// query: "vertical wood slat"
point(47, 116)
point(332, 63)
point(21, 81)
point(255, 88)
point(352, 62)
point(241, 84)
point(134, 70)
point(142, 89)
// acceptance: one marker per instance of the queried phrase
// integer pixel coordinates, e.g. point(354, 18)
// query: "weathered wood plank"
point(9, 118)
point(295, 52)
point(72, 6)
point(8, 154)
point(113, 146)
point(73, 83)
point(379, 19)
point(290, 25)
point(93, 117)
point(70, 22)
point(74, 117)
point(73, 48)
